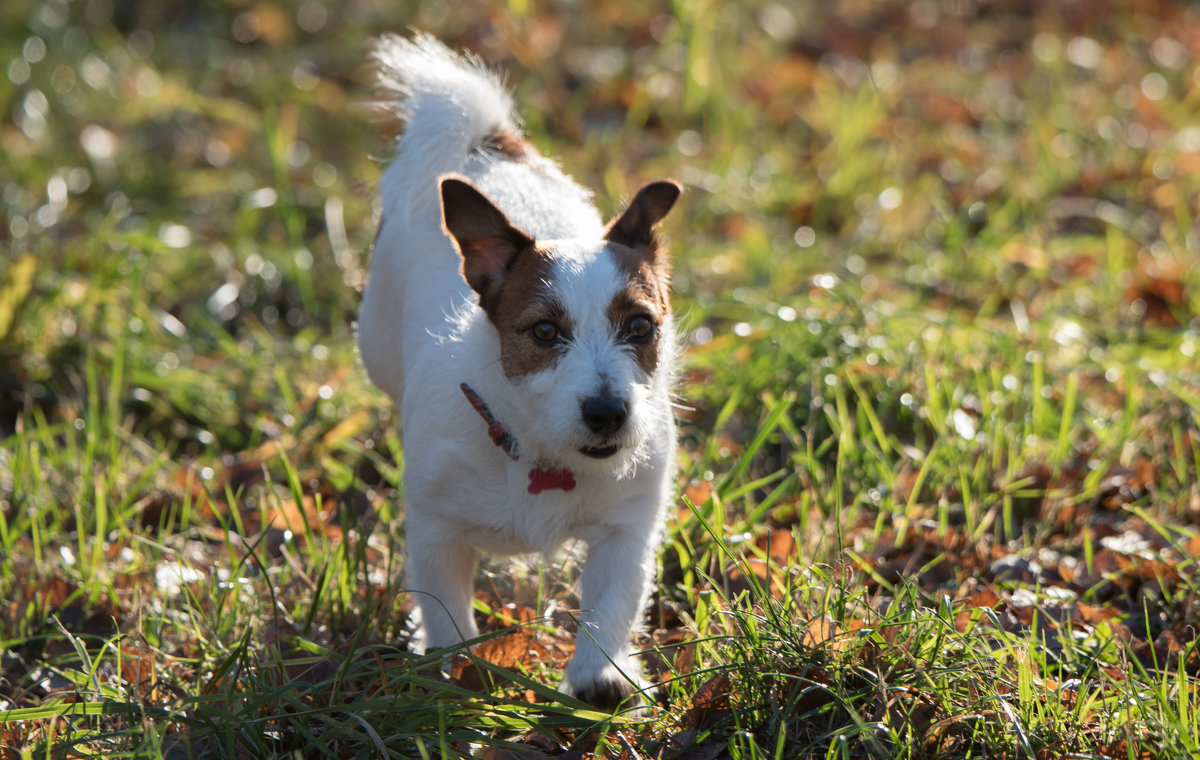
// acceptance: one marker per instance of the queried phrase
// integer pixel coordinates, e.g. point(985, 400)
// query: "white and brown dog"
point(530, 348)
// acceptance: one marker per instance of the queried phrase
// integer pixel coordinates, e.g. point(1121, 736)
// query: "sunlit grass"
point(938, 475)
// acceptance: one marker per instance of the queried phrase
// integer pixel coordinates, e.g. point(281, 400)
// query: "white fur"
point(421, 334)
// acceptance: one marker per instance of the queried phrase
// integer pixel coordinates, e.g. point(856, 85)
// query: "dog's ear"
point(487, 240)
point(635, 226)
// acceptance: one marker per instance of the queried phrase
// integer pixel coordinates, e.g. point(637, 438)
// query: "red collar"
point(539, 479)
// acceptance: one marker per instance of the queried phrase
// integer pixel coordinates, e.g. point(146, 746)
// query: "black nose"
point(604, 415)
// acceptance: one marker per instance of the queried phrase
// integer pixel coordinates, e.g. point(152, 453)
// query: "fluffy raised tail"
point(449, 105)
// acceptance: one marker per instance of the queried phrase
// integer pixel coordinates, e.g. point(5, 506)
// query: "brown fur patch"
point(509, 144)
point(487, 240)
point(642, 257)
point(647, 273)
point(524, 300)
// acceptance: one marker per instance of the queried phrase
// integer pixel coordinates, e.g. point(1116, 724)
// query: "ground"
point(940, 412)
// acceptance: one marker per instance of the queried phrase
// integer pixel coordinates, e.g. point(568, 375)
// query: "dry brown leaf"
point(710, 703)
point(510, 650)
point(698, 492)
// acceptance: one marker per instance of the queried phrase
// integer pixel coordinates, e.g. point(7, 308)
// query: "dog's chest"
point(518, 522)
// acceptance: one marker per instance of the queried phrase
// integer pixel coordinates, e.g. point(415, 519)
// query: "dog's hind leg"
point(440, 571)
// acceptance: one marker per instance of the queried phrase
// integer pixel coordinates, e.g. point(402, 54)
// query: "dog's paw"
point(609, 688)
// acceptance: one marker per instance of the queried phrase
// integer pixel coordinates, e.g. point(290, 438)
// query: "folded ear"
point(635, 226)
point(487, 240)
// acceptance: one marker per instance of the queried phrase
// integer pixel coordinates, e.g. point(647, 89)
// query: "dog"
point(530, 348)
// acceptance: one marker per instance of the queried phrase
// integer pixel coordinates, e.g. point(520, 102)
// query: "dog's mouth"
point(600, 452)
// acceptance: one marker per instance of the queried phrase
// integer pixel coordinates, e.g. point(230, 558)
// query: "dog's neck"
point(539, 479)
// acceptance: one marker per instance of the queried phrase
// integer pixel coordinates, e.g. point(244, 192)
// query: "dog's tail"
point(448, 104)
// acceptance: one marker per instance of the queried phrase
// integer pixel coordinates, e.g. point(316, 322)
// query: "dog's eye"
point(640, 329)
point(545, 332)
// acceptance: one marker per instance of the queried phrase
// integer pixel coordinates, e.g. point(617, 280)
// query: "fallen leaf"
point(710, 703)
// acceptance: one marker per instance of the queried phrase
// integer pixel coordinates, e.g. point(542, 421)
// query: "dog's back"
point(457, 119)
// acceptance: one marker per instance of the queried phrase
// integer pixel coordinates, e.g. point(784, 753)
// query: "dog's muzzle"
point(604, 416)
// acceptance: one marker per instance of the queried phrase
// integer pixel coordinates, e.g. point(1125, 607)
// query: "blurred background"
point(188, 204)
point(216, 160)
point(935, 268)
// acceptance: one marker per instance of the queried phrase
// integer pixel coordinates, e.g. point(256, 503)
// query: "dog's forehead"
point(585, 276)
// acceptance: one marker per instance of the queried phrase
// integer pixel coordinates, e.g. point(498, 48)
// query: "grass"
point(939, 490)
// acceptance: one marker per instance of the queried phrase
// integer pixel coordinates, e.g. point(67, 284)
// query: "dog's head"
point(586, 336)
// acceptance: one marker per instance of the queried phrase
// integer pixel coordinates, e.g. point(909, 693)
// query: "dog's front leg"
point(615, 584)
point(440, 572)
